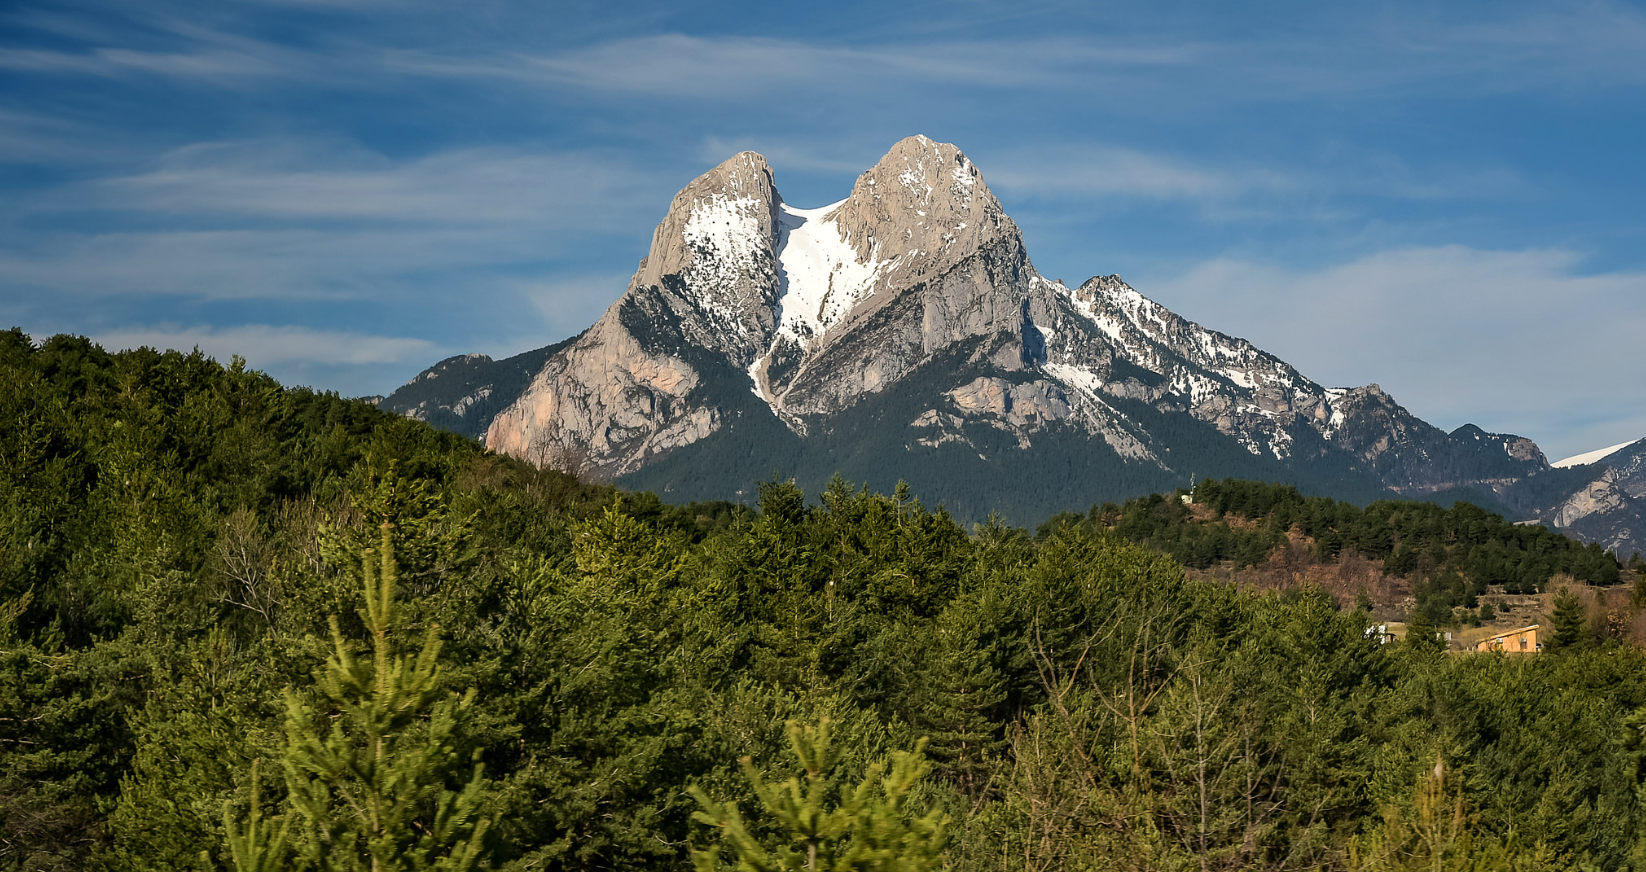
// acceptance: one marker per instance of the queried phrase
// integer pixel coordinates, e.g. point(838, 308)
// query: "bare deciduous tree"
point(243, 559)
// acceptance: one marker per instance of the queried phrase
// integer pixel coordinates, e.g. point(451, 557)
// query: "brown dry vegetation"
point(1297, 564)
point(1616, 613)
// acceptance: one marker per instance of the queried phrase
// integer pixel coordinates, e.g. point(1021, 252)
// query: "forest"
point(250, 627)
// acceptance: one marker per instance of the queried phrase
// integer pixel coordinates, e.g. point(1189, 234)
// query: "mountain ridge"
point(812, 312)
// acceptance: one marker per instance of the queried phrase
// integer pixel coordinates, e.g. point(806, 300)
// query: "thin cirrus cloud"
point(1591, 44)
point(1073, 172)
point(265, 345)
point(283, 179)
point(283, 220)
point(1594, 43)
point(34, 139)
point(1113, 171)
point(734, 68)
point(1514, 341)
point(156, 44)
point(214, 65)
point(274, 264)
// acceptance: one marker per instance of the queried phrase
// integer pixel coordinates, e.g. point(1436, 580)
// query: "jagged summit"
point(717, 241)
point(903, 332)
point(924, 204)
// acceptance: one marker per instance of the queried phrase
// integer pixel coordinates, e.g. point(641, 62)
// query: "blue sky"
point(1446, 201)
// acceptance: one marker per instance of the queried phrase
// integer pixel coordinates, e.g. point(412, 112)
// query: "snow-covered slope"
point(1589, 457)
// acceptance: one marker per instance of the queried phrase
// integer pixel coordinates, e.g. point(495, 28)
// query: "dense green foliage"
point(178, 540)
point(824, 826)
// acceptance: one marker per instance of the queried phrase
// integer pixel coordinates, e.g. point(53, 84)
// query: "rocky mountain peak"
point(924, 205)
point(718, 241)
point(725, 208)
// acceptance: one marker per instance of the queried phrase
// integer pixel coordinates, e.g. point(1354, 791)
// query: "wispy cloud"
point(154, 43)
point(320, 180)
point(33, 138)
point(735, 68)
point(264, 345)
point(1086, 171)
point(1597, 43)
point(294, 220)
point(1060, 171)
point(203, 66)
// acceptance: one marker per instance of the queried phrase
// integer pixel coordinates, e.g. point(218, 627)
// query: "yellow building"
point(1521, 641)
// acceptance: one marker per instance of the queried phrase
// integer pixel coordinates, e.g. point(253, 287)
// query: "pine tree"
point(1435, 832)
point(260, 845)
point(379, 791)
point(957, 701)
point(867, 829)
point(1421, 634)
point(1571, 630)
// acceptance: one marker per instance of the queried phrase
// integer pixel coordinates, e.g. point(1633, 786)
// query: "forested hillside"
point(1443, 560)
point(196, 666)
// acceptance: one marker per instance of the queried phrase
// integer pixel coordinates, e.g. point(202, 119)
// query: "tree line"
point(243, 627)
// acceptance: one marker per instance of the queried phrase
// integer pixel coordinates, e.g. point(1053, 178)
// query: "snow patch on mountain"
point(1078, 377)
point(1589, 457)
point(820, 276)
point(724, 234)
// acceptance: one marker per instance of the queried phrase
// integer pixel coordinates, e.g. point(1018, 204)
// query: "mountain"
point(904, 333)
point(1604, 499)
point(464, 393)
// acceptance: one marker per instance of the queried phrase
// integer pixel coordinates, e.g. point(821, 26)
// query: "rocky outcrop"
point(1601, 496)
point(464, 393)
point(1031, 404)
point(607, 401)
point(718, 242)
point(925, 208)
point(1602, 511)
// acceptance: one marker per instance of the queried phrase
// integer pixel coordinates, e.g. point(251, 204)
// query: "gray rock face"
point(1630, 465)
point(746, 305)
point(1608, 505)
point(925, 208)
point(606, 401)
point(464, 393)
point(719, 239)
point(1036, 403)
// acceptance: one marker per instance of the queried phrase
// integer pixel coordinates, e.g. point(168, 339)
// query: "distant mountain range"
point(904, 334)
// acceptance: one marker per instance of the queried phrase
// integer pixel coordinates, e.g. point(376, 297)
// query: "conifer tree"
point(1421, 634)
point(866, 829)
point(1571, 630)
point(261, 844)
point(1437, 833)
point(957, 700)
point(379, 791)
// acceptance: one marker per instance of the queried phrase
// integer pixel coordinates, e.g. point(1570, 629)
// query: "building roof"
point(1509, 633)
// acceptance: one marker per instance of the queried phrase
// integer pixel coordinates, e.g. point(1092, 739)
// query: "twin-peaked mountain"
point(903, 333)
